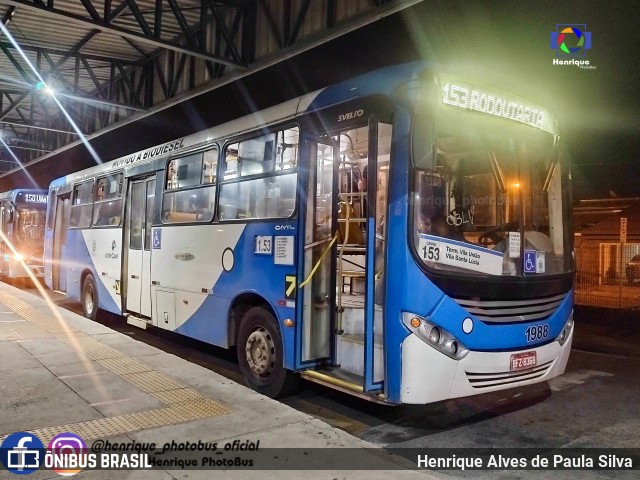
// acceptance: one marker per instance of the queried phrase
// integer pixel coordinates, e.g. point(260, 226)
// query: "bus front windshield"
point(492, 202)
point(29, 231)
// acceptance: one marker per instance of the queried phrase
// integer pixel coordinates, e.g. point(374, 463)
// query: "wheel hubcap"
point(88, 299)
point(260, 352)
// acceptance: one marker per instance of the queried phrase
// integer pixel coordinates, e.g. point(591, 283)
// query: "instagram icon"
point(66, 454)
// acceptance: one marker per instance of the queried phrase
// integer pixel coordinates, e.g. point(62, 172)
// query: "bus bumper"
point(430, 376)
point(16, 270)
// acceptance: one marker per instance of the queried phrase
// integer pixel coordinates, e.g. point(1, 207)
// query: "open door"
point(61, 225)
point(137, 270)
point(344, 252)
point(4, 249)
point(318, 274)
point(376, 224)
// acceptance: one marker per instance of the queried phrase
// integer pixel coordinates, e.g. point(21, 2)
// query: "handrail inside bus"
point(315, 267)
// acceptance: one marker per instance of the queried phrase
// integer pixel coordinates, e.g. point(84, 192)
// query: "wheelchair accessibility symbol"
point(529, 261)
point(157, 238)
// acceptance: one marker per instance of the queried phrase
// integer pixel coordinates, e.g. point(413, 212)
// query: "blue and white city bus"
point(22, 219)
point(402, 236)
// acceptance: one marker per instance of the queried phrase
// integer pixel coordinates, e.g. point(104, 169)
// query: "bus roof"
point(268, 116)
point(383, 81)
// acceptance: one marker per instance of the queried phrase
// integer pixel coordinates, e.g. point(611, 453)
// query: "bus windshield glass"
point(29, 230)
point(492, 199)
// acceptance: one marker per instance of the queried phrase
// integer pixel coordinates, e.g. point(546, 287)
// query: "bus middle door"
point(4, 249)
point(62, 212)
point(137, 268)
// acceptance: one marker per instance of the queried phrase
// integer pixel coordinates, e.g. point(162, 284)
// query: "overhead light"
point(44, 87)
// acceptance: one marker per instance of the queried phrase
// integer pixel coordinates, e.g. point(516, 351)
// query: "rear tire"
point(90, 297)
point(261, 355)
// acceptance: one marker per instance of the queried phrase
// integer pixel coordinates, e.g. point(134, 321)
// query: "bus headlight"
point(566, 331)
point(452, 346)
point(436, 336)
point(18, 257)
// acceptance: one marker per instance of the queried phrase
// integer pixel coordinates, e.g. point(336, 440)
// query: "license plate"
point(521, 361)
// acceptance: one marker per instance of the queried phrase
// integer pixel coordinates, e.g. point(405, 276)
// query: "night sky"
point(509, 41)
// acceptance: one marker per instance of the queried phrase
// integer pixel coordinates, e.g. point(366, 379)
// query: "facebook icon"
point(21, 453)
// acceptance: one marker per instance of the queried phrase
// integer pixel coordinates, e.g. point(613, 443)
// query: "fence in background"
point(607, 274)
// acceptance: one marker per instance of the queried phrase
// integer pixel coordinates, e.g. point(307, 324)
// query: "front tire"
point(261, 355)
point(90, 297)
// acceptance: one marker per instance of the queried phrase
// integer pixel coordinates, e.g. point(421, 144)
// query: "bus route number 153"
point(431, 252)
point(263, 245)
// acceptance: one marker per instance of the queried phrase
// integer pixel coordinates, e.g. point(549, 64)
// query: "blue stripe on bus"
point(254, 274)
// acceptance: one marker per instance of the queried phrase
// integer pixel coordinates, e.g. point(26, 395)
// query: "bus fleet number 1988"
point(537, 332)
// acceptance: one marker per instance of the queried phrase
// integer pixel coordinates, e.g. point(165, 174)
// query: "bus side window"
point(172, 176)
point(108, 200)
point(184, 171)
point(100, 189)
point(82, 205)
point(287, 150)
point(229, 199)
point(287, 184)
point(190, 188)
point(193, 205)
point(210, 166)
point(268, 192)
point(231, 162)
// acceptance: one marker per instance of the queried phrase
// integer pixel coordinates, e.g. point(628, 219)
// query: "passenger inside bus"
point(172, 177)
point(100, 189)
point(108, 214)
point(437, 226)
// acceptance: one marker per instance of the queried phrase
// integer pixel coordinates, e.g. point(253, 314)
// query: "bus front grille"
point(511, 311)
point(488, 380)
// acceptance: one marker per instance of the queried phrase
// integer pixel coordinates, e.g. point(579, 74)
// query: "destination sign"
point(35, 198)
point(458, 254)
point(499, 105)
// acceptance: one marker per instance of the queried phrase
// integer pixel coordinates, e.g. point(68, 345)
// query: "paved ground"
point(607, 330)
point(62, 373)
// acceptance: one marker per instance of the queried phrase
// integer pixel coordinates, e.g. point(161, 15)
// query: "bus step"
point(351, 355)
point(138, 322)
point(343, 381)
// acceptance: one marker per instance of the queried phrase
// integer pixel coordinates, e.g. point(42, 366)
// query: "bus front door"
point(317, 292)
point(341, 284)
point(137, 271)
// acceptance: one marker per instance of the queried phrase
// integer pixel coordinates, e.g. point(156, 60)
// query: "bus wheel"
point(90, 297)
point(260, 355)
